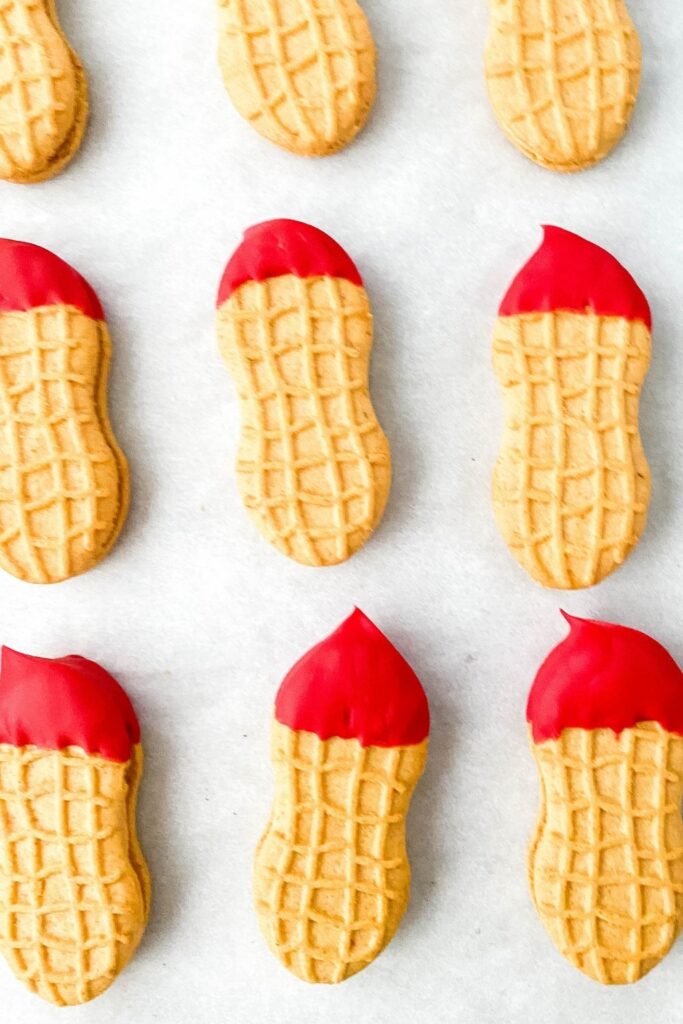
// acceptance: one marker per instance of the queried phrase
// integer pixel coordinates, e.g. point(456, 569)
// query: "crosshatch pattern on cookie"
point(606, 866)
point(313, 466)
point(332, 873)
point(62, 477)
point(572, 485)
point(301, 71)
point(563, 76)
point(72, 902)
point(42, 89)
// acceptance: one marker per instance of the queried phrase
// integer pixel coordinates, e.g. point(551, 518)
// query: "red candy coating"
point(568, 272)
point(31, 276)
point(605, 676)
point(279, 247)
point(65, 702)
point(355, 685)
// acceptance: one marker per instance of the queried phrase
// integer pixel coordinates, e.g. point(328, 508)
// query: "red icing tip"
point(65, 702)
point(605, 676)
point(355, 685)
point(279, 247)
point(568, 272)
point(31, 276)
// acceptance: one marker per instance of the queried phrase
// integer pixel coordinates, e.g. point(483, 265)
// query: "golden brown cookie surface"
point(610, 921)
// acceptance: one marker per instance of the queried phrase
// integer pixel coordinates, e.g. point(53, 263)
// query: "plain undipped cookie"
point(43, 93)
point(302, 74)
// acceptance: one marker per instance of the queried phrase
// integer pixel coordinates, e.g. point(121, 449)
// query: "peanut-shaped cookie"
point(63, 478)
point(331, 875)
point(295, 328)
point(563, 77)
point(74, 886)
point(571, 349)
point(606, 863)
point(302, 73)
point(43, 92)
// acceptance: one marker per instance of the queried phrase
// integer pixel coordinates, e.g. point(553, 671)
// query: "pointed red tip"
point(355, 685)
point(605, 676)
point(572, 620)
point(567, 272)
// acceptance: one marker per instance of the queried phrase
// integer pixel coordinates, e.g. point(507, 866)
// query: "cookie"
point(43, 93)
point(63, 478)
point(303, 74)
point(562, 77)
point(349, 745)
point(74, 887)
point(571, 349)
point(606, 863)
point(295, 329)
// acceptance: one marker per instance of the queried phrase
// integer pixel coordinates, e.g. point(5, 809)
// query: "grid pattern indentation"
point(61, 476)
point(606, 866)
point(331, 874)
point(72, 907)
point(572, 485)
point(38, 88)
point(563, 76)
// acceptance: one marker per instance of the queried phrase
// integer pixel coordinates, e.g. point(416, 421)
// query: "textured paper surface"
point(200, 618)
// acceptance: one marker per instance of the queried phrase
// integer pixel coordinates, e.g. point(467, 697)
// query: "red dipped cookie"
point(74, 886)
point(571, 350)
point(295, 329)
point(63, 477)
point(332, 877)
point(606, 864)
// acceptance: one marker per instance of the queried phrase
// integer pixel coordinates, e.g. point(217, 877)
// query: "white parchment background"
point(200, 618)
